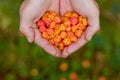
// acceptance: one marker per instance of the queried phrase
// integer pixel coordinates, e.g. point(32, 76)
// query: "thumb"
point(26, 28)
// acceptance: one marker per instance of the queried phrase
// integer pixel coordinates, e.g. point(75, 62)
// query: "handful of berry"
point(61, 31)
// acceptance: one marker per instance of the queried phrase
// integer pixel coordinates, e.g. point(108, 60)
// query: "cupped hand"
point(88, 9)
point(30, 12)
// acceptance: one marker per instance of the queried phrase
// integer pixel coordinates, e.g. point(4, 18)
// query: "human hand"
point(88, 9)
point(30, 12)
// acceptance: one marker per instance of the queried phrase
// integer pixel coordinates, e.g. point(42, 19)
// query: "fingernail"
point(29, 39)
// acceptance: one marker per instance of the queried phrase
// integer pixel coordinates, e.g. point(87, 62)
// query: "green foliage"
point(20, 60)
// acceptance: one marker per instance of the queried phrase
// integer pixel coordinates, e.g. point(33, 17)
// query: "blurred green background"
point(99, 59)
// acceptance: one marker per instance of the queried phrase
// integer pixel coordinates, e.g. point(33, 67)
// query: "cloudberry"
point(68, 14)
point(74, 20)
point(67, 41)
point(42, 29)
point(63, 34)
point(78, 33)
point(40, 23)
point(61, 31)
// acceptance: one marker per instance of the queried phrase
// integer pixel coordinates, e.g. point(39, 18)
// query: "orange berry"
point(67, 23)
point(57, 39)
point(63, 78)
point(42, 28)
point(84, 21)
point(61, 46)
point(51, 41)
point(34, 72)
point(83, 27)
point(75, 14)
point(52, 35)
point(67, 41)
point(45, 35)
point(73, 76)
point(52, 12)
point(62, 27)
point(86, 63)
point(68, 28)
point(80, 25)
point(74, 28)
point(44, 17)
point(56, 43)
point(63, 34)
point(74, 20)
point(50, 31)
point(80, 18)
point(56, 31)
point(57, 19)
point(52, 25)
point(102, 78)
point(68, 14)
point(51, 17)
point(70, 33)
point(78, 33)
point(73, 38)
point(63, 67)
point(64, 19)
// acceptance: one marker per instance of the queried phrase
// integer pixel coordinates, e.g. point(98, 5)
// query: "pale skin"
point(32, 10)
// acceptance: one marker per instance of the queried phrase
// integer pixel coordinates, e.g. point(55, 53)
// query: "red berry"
point(40, 23)
point(42, 29)
point(74, 20)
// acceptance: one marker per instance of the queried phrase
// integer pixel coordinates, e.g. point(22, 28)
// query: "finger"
point(74, 46)
point(54, 6)
point(65, 6)
point(45, 44)
point(26, 28)
point(93, 25)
